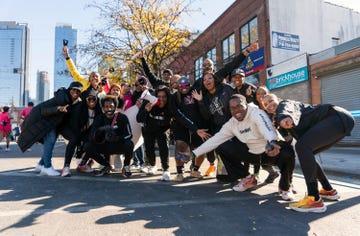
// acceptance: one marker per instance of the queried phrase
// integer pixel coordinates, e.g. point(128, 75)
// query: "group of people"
point(232, 121)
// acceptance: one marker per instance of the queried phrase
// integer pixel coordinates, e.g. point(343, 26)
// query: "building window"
point(212, 55)
point(198, 68)
point(249, 33)
point(228, 47)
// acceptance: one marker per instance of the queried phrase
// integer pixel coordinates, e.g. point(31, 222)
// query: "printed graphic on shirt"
point(216, 106)
point(266, 122)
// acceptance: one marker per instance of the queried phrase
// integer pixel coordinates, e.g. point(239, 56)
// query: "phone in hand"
point(65, 42)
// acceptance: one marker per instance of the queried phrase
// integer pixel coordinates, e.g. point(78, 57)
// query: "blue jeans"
point(49, 143)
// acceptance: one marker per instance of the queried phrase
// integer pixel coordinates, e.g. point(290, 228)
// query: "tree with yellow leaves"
point(130, 25)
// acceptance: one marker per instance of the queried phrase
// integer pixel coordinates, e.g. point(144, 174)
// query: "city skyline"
point(42, 24)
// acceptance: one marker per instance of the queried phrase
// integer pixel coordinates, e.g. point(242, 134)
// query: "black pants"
point(74, 140)
point(234, 154)
point(149, 143)
point(318, 138)
point(95, 150)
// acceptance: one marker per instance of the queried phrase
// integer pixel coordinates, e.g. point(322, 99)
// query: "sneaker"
point(196, 174)
point(90, 162)
point(78, 161)
point(211, 171)
point(165, 176)
point(84, 168)
point(308, 204)
point(7, 149)
point(329, 195)
point(287, 195)
point(144, 169)
point(49, 171)
point(66, 172)
point(245, 184)
point(152, 170)
point(103, 171)
point(271, 177)
point(126, 171)
point(179, 178)
point(28, 150)
point(134, 166)
point(38, 168)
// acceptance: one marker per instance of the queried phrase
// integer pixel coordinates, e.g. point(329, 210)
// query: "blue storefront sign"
point(288, 78)
point(285, 41)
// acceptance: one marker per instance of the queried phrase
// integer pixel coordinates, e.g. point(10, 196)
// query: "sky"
point(43, 15)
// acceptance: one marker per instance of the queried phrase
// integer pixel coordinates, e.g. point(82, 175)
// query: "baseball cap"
point(238, 71)
point(76, 85)
point(184, 81)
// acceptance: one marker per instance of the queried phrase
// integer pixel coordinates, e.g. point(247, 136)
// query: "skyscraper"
point(62, 77)
point(43, 86)
point(14, 63)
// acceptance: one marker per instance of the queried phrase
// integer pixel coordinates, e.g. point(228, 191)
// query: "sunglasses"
point(91, 99)
point(184, 85)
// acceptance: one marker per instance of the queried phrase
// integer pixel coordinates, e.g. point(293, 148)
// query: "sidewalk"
point(340, 161)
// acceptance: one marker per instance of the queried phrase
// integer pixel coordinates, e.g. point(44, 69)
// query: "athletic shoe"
point(179, 178)
point(78, 161)
point(144, 169)
point(84, 168)
point(126, 171)
point(103, 171)
point(211, 171)
point(28, 150)
point(134, 166)
point(38, 168)
point(308, 204)
point(7, 149)
point(49, 171)
point(287, 195)
point(152, 170)
point(196, 174)
point(329, 195)
point(271, 177)
point(66, 172)
point(245, 184)
point(165, 176)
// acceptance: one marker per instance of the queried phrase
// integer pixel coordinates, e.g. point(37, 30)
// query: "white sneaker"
point(144, 169)
point(66, 172)
point(152, 170)
point(245, 184)
point(49, 171)
point(38, 168)
point(7, 149)
point(165, 176)
point(287, 195)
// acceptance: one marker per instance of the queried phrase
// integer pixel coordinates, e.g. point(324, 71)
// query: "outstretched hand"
point(203, 134)
point(196, 95)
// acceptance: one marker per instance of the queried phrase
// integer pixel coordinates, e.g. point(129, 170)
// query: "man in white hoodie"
point(249, 137)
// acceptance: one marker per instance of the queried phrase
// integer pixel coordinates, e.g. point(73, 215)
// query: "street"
point(82, 204)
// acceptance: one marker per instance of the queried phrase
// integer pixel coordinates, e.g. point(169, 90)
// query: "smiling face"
point(115, 91)
point(209, 83)
point(91, 102)
point(109, 108)
point(237, 80)
point(75, 94)
point(237, 108)
point(208, 66)
point(270, 103)
point(94, 79)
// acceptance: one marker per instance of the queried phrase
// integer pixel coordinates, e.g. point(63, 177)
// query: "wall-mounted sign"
point(254, 62)
point(285, 41)
point(289, 72)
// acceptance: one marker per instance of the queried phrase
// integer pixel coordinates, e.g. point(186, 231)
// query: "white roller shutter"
point(343, 89)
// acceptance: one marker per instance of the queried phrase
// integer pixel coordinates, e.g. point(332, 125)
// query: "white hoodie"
point(255, 130)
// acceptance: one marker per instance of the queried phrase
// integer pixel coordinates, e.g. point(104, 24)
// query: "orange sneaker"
point(308, 204)
point(210, 171)
point(329, 195)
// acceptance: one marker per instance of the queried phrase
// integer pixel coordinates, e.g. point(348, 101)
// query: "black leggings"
point(234, 154)
point(318, 138)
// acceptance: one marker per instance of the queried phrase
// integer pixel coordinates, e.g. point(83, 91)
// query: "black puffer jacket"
point(42, 119)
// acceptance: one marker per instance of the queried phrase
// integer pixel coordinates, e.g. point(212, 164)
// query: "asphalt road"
point(142, 205)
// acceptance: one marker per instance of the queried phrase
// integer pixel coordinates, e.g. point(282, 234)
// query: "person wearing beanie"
point(42, 122)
